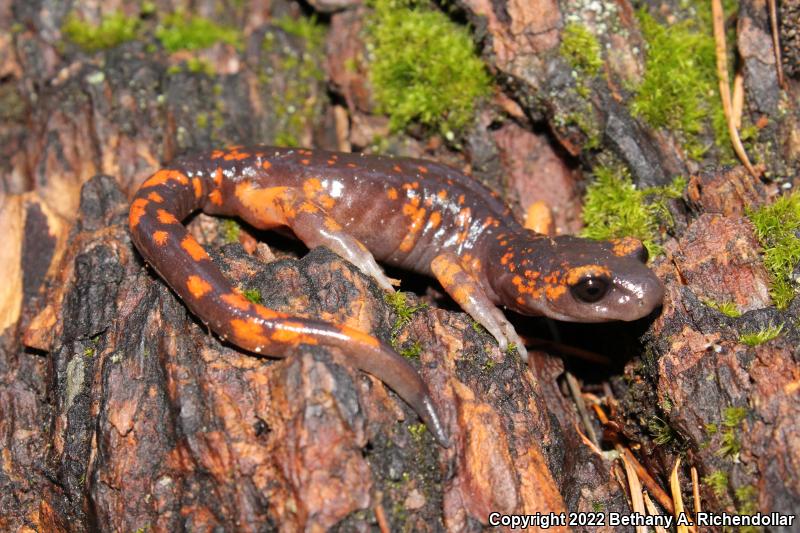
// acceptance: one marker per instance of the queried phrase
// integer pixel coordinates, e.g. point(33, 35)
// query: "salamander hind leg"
point(467, 292)
point(309, 221)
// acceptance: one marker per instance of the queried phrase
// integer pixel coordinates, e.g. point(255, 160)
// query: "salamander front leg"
point(467, 292)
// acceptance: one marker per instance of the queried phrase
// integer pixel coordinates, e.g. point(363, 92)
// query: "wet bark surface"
point(120, 412)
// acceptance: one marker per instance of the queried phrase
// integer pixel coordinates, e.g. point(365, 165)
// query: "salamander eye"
point(590, 289)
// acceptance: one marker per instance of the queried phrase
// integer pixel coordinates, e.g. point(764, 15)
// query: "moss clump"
point(581, 49)
point(412, 352)
point(661, 431)
point(679, 90)
point(732, 417)
point(728, 309)
point(777, 226)
point(615, 208)
point(424, 68)
point(305, 28)
point(114, 29)
point(402, 309)
point(717, 482)
point(761, 336)
point(231, 230)
point(180, 31)
point(253, 295)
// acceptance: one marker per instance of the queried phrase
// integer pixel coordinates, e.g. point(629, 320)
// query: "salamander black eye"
point(590, 289)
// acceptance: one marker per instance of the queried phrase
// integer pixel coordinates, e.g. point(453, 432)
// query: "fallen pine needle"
point(635, 488)
point(652, 511)
point(724, 84)
point(677, 498)
point(696, 491)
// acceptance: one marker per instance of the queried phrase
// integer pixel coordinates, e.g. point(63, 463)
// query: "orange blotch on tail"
point(155, 197)
point(193, 248)
point(359, 337)
point(198, 287)
point(198, 188)
point(137, 211)
point(249, 333)
point(163, 176)
point(160, 237)
point(165, 217)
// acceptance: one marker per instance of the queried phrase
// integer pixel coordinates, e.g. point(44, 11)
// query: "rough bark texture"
point(119, 412)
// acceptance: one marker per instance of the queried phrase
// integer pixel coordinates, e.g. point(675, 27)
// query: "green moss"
point(711, 428)
point(253, 295)
point(761, 336)
point(726, 308)
point(424, 68)
point(615, 208)
point(114, 29)
point(777, 226)
point(661, 431)
point(402, 309)
point(717, 482)
point(298, 102)
point(417, 430)
point(181, 31)
point(305, 28)
point(732, 418)
point(581, 49)
point(231, 230)
point(747, 497)
point(679, 90)
point(412, 352)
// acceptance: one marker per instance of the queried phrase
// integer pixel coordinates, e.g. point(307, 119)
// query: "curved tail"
point(155, 223)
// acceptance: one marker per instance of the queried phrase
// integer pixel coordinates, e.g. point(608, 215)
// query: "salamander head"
point(576, 280)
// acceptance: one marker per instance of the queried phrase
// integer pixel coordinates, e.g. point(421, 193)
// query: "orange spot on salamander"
point(236, 301)
point(576, 274)
point(160, 237)
point(442, 194)
point(359, 337)
point(235, 156)
point(422, 169)
point(392, 193)
point(311, 187)
point(165, 217)
point(305, 162)
point(137, 211)
point(435, 219)
point(215, 197)
point(198, 188)
point(331, 161)
point(193, 248)
point(265, 165)
point(198, 287)
point(352, 165)
point(396, 168)
point(249, 333)
point(216, 154)
point(417, 217)
point(155, 197)
point(163, 176)
point(218, 177)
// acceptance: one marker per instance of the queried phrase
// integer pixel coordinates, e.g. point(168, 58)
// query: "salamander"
point(415, 214)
